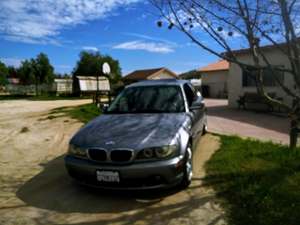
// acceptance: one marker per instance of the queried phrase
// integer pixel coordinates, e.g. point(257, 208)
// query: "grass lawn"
point(38, 98)
point(258, 183)
point(83, 113)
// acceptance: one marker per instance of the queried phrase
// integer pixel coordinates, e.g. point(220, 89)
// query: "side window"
point(190, 95)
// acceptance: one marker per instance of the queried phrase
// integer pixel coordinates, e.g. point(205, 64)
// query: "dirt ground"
point(35, 189)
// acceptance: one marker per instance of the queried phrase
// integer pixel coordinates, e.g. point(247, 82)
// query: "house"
point(149, 74)
point(87, 85)
point(13, 81)
point(194, 76)
point(214, 79)
point(239, 81)
point(63, 85)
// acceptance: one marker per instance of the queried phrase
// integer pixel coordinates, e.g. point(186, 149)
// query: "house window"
point(269, 78)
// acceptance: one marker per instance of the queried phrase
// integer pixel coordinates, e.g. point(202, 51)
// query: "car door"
point(196, 114)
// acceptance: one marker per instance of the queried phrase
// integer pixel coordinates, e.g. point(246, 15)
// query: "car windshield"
point(148, 99)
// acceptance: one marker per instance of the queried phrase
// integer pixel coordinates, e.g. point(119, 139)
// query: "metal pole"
point(97, 91)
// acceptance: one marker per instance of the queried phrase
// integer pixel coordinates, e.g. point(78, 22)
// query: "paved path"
point(263, 126)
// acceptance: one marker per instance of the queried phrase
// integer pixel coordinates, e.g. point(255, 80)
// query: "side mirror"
point(197, 105)
point(104, 108)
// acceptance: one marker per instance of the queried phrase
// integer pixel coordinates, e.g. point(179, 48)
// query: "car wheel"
point(188, 169)
point(204, 131)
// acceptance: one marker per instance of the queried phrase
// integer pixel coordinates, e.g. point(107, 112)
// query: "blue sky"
point(124, 29)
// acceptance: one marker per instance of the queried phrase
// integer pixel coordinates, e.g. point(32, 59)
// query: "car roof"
point(159, 82)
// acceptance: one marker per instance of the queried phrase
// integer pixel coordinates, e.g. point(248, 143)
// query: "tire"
point(188, 169)
point(204, 130)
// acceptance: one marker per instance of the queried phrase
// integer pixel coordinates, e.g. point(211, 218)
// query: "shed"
point(63, 85)
point(87, 85)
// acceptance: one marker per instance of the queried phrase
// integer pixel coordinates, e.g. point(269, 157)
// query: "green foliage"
point(65, 75)
point(90, 64)
point(190, 75)
point(3, 73)
point(12, 72)
point(257, 181)
point(26, 73)
point(43, 70)
point(36, 71)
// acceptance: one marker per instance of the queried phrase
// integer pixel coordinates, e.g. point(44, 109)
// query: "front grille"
point(121, 155)
point(97, 154)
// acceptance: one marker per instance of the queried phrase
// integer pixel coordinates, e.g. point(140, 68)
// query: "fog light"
point(157, 178)
point(180, 164)
point(148, 153)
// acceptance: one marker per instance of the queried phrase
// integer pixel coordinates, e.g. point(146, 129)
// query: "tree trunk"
point(294, 132)
point(36, 88)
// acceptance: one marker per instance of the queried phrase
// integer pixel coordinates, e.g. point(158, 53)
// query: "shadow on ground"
point(52, 189)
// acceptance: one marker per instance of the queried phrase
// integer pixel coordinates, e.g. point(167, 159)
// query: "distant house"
point(13, 81)
point(87, 85)
point(193, 74)
point(214, 79)
point(63, 85)
point(149, 74)
point(239, 81)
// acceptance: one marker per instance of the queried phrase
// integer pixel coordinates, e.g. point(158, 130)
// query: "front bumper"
point(135, 176)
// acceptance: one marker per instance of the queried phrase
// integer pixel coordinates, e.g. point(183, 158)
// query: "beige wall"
point(236, 89)
point(162, 75)
point(217, 82)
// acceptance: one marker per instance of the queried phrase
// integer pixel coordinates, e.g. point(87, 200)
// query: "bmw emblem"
point(110, 143)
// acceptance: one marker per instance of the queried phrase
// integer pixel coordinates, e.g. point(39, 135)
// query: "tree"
point(44, 71)
point(25, 73)
point(36, 71)
point(3, 74)
point(255, 23)
point(65, 76)
point(12, 72)
point(90, 64)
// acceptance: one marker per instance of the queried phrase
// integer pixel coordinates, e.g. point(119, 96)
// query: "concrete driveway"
point(259, 125)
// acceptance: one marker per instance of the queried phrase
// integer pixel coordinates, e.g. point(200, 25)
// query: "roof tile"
point(217, 66)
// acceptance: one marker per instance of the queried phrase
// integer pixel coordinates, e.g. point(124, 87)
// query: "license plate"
point(108, 176)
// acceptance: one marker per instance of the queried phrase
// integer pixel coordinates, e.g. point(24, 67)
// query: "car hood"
point(134, 131)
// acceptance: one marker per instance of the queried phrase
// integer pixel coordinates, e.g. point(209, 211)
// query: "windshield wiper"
point(149, 111)
point(139, 111)
point(116, 112)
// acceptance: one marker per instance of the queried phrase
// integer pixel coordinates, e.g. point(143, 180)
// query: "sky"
point(124, 29)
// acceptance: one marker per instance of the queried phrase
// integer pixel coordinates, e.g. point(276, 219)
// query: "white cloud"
point(90, 48)
point(147, 37)
point(15, 62)
point(156, 47)
point(40, 21)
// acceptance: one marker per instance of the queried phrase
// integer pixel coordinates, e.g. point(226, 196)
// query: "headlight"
point(158, 152)
point(166, 151)
point(148, 153)
point(76, 151)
